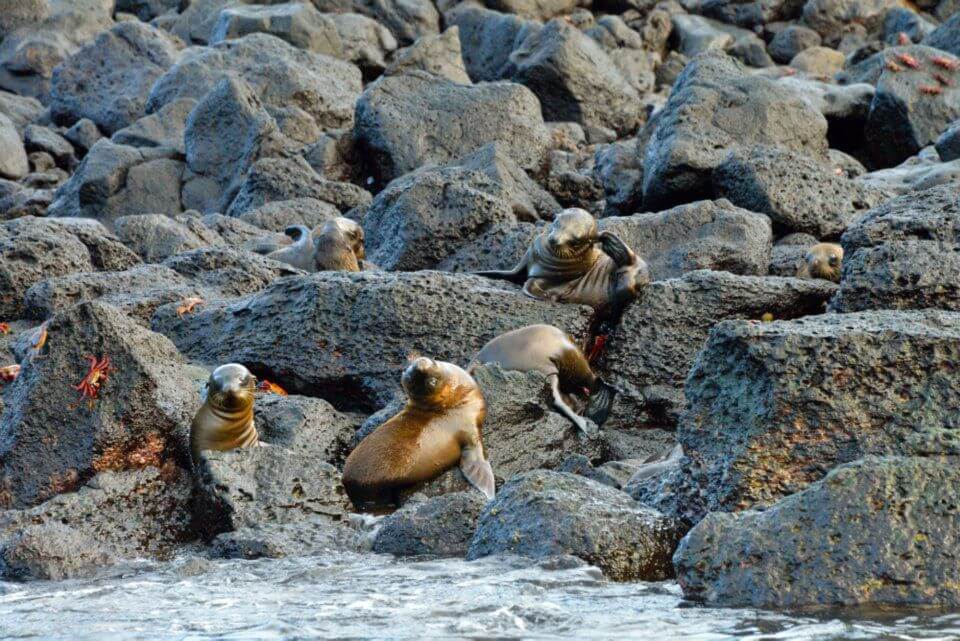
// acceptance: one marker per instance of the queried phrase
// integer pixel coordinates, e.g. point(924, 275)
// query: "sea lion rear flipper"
point(600, 402)
point(565, 409)
point(516, 275)
point(477, 470)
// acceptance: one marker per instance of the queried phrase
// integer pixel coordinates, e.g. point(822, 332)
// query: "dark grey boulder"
point(408, 20)
point(405, 122)
point(876, 531)
point(52, 552)
point(800, 194)
point(713, 107)
point(83, 135)
point(618, 167)
point(487, 38)
point(541, 10)
point(830, 18)
point(277, 540)
point(307, 425)
point(542, 514)
point(13, 156)
point(528, 200)
point(147, 10)
point(580, 464)
point(164, 128)
point(907, 22)
point(911, 108)
point(916, 174)
point(750, 13)
point(56, 439)
point(947, 36)
point(574, 79)
point(933, 214)
point(262, 485)
point(300, 24)
point(695, 34)
point(788, 42)
point(772, 407)
point(703, 235)
point(107, 253)
point(279, 214)
point(22, 110)
point(500, 247)
point(227, 272)
point(346, 336)
point(233, 231)
point(789, 252)
point(439, 55)
point(108, 81)
point(440, 526)
point(948, 144)
point(155, 237)
point(366, 42)
point(425, 216)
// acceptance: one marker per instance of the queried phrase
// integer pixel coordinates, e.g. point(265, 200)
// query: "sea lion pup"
point(338, 246)
point(300, 253)
point(546, 349)
point(565, 265)
point(438, 427)
point(823, 261)
point(225, 420)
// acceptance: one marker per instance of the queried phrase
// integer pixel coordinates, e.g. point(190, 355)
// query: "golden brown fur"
point(338, 246)
point(225, 420)
point(824, 261)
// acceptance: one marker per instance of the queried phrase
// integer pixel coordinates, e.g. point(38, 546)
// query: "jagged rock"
point(916, 174)
point(366, 43)
point(908, 22)
point(280, 214)
point(821, 62)
point(499, 248)
point(439, 55)
point(107, 253)
point(52, 552)
point(830, 17)
point(22, 110)
point(758, 425)
point(345, 336)
point(227, 272)
point(440, 526)
point(13, 157)
point(751, 51)
point(703, 235)
point(580, 464)
point(56, 439)
point(844, 106)
point(528, 200)
point(42, 139)
point(155, 236)
point(83, 135)
point(300, 24)
point(405, 122)
point(696, 34)
point(874, 531)
point(408, 20)
point(574, 79)
point(165, 128)
point(279, 74)
point(263, 485)
point(542, 513)
point(22, 14)
point(948, 144)
point(307, 425)
point(933, 215)
point(947, 36)
point(749, 13)
point(277, 540)
point(789, 252)
point(487, 38)
point(713, 108)
point(146, 10)
point(798, 193)
point(235, 232)
point(108, 80)
point(619, 168)
point(787, 43)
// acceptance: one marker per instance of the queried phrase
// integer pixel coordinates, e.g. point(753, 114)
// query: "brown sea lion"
point(300, 253)
point(438, 428)
point(225, 421)
point(823, 261)
point(548, 350)
point(574, 263)
point(338, 246)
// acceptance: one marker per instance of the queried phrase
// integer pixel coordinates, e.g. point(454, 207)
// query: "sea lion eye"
point(834, 260)
point(432, 382)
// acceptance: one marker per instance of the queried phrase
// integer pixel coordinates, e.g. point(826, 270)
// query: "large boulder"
point(830, 18)
point(163, 128)
point(52, 552)
point(440, 526)
point(878, 531)
point(947, 36)
point(366, 42)
point(543, 513)
point(439, 55)
point(279, 214)
point(948, 144)
point(56, 439)
point(107, 253)
point(528, 200)
point(346, 336)
point(772, 407)
point(13, 156)
point(108, 81)
point(300, 24)
point(405, 122)
point(155, 237)
point(933, 214)
point(281, 75)
point(574, 79)
point(715, 106)
point(226, 272)
point(310, 426)
point(487, 38)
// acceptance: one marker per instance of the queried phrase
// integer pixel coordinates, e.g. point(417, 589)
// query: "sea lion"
point(546, 349)
point(566, 265)
point(300, 253)
point(225, 420)
point(437, 428)
point(338, 246)
point(823, 261)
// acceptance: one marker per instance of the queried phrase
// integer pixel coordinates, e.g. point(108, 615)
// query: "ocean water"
point(365, 596)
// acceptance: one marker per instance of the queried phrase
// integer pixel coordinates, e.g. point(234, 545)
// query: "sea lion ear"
point(204, 392)
point(477, 470)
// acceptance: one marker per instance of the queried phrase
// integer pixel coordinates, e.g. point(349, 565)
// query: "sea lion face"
point(572, 233)
point(436, 384)
point(824, 261)
point(231, 388)
point(348, 231)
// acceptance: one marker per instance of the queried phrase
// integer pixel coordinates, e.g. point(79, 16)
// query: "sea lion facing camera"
point(548, 350)
point(823, 261)
point(338, 246)
point(300, 253)
point(225, 420)
point(439, 427)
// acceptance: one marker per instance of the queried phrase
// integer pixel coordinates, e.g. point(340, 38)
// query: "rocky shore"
point(775, 441)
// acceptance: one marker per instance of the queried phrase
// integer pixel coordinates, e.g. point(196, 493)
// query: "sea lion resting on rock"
point(338, 246)
point(546, 349)
point(438, 428)
point(565, 265)
point(823, 261)
point(300, 253)
point(225, 420)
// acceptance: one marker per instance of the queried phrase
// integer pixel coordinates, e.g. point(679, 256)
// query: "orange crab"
point(945, 63)
point(596, 348)
point(931, 90)
point(98, 375)
point(187, 305)
point(942, 79)
point(908, 60)
point(9, 373)
point(894, 67)
point(271, 388)
point(4, 328)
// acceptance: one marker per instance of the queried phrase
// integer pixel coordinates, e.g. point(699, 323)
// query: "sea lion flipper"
point(600, 402)
point(477, 470)
point(615, 248)
point(561, 406)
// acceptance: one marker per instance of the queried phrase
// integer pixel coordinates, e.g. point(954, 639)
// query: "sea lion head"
point(347, 231)
point(572, 233)
point(231, 388)
point(824, 260)
point(434, 384)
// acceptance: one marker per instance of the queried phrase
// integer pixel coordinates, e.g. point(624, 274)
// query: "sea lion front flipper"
point(601, 400)
point(566, 410)
point(616, 249)
point(516, 275)
point(477, 470)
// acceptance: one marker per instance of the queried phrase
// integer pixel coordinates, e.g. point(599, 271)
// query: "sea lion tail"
point(601, 400)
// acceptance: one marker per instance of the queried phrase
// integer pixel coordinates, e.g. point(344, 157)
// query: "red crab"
point(597, 347)
point(945, 63)
point(187, 305)
point(98, 375)
point(271, 388)
point(903, 38)
point(942, 79)
point(38, 340)
point(908, 60)
point(9, 373)
point(4, 328)
point(931, 90)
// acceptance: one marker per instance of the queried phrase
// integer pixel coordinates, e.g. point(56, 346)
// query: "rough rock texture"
point(225, 272)
point(13, 157)
point(300, 24)
point(51, 552)
point(366, 43)
point(163, 128)
point(487, 38)
point(713, 107)
point(440, 526)
point(703, 235)
point(830, 17)
point(278, 215)
point(108, 80)
point(772, 407)
point(56, 440)
point(439, 55)
point(946, 36)
point(404, 122)
point(542, 513)
point(948, 144)
point(155, 236)
point(324, 322)
point(528, 200)
point(933, 215)
point(875, 531)
point(916, 174)
point(499, 248)
point(277, 540)
point(262, 485)
point(310, 426)
point(798, 193)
